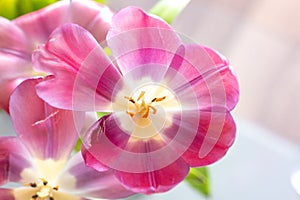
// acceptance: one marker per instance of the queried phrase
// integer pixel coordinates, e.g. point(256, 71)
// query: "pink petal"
point(15, 51)
point(101, 151)
point(216, 134)
point(91, 161)
point(156, 181)
point(13, 40)
point(61, 49)
point(13, 159)
point(6, 88)
point(46, 131)
point(15, 59)
point(134, 161)
point(228, 77)
point(142, 165)
point(203, 74)
point(82, 74)
point(94, 17)
point(147, 38)
point(107, 144)
point(92, 183)
point(200, 137)
point(57, 91)
point(7, 194)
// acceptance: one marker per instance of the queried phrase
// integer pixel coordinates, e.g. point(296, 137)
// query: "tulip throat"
point(44, 190)
point(142, 109)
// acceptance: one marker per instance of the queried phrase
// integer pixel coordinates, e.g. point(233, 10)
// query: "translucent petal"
point(47, 132)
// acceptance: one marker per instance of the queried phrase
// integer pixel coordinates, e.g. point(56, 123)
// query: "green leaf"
point(107, 51)
point(77, 147)
point(26, 6)
point(101, 114)
point(198, 178)
point(102, 1)
point(13, 8)
point(8, 8)
point(169, 9)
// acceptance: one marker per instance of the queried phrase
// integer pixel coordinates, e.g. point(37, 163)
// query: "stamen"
point(143, 104)
point(158, 99)
point(146, 114)
point(153, 109)
point(130, 99)
point(130, 113)
point(142, 94)
point(44, 191)
point(56, 188)
point(143, 108)
point(33, 185)
point(45, 182)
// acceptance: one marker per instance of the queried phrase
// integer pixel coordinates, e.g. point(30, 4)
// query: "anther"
point(33, 185)
point(44, 181)
point(158, 99)
point(35, 196)
point(130, 99)
point(56, 188)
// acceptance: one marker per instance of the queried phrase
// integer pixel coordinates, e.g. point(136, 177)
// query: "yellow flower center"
point(141, 110)
point(44, 190)
point(148, 108)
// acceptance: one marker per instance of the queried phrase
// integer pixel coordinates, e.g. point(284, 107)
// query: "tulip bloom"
point(38, 157)
point(22, 35)
point(169, 102)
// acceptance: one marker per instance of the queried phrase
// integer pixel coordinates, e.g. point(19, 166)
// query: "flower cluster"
point(38, 157)
point(19, 38)
point(168, 103)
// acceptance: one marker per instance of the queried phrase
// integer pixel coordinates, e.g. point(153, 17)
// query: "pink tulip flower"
point(18, 38)
point(169, 102)
point(38, 158)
